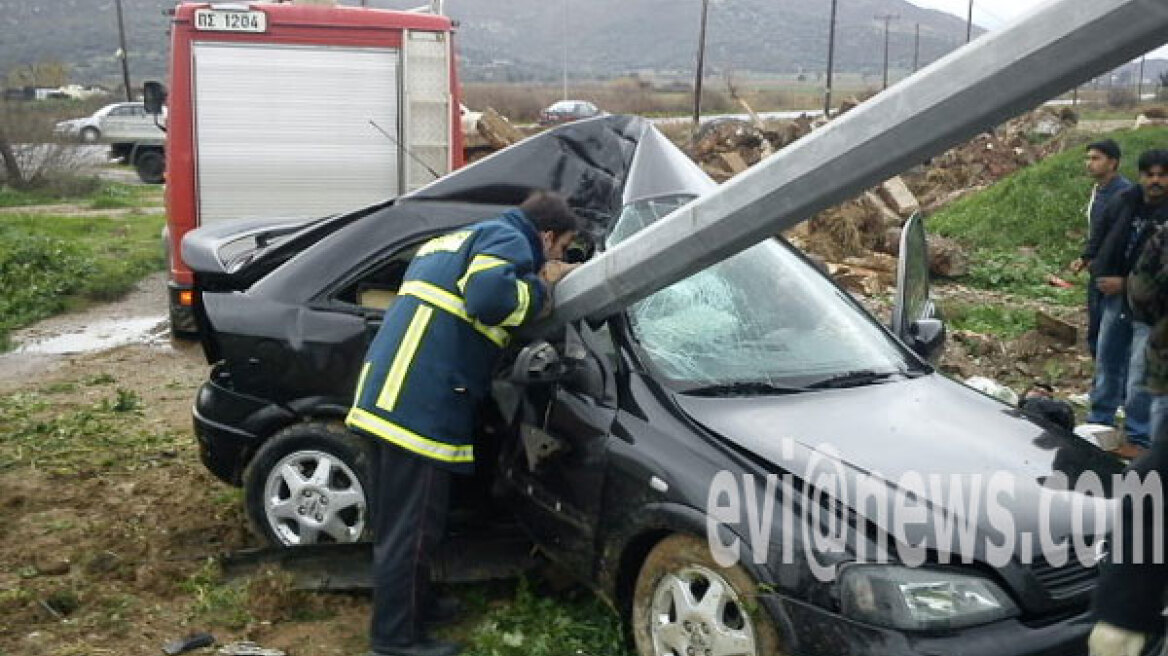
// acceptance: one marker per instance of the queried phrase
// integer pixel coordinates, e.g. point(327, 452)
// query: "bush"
point(1121, 98)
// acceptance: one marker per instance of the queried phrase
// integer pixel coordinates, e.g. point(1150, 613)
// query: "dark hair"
point(1155, 157)
point(550, 211)
point(1107, 147)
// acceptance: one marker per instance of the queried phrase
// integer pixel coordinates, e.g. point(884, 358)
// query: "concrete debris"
point(1143, 121)
point(497, 130)
point(1057, 328)
point(946, 257)
point(899, 197)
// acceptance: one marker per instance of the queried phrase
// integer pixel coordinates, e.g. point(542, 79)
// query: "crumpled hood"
point(923, 435)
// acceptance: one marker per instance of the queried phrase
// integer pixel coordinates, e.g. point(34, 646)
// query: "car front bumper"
point(822, 632)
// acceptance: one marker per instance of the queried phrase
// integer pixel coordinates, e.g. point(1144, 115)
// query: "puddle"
point(99, 335)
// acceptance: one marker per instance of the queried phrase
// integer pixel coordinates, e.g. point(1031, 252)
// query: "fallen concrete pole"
point(1051, 49)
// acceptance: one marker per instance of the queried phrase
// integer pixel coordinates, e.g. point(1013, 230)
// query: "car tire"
point(150, 167)
point(90, 135)
point(309, 484)
point(719, 610)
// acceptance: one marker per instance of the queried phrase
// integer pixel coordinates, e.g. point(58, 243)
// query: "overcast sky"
point(994, 13)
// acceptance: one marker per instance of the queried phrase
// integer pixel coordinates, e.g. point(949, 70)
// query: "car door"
point(118, 122)
point(558, 462)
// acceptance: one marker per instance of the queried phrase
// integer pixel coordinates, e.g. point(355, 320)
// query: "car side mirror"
point(153, 97)
point(538, 363)
point(927, 337)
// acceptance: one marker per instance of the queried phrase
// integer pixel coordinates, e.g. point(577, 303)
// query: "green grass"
point(997, 320)
point(88, 192)
point(49, 264)
point(537, 624)
point(42, 433)
point(1033, 223)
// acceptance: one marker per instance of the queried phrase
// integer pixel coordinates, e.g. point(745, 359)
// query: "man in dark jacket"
point(1129, 596)
point(426, 371)
point(1119, 362)
point(1103, 166)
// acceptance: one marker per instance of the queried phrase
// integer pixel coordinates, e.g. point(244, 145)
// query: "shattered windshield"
point(763, 315)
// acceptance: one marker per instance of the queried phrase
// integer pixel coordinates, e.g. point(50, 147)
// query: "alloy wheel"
point(696, 612)
point(312, 497)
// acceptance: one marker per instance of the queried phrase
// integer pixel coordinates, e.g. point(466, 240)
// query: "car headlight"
point(920, 599)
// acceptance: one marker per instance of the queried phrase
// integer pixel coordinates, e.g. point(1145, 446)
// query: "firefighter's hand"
point(554, 270)
point(1078, 265)
point(1110, 285)
point(1110, 640)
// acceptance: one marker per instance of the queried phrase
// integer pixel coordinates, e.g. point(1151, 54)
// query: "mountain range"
point(531, 39)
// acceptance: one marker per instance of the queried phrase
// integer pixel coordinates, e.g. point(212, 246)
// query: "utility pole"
point(969, 23)
point(564, 42)
point(1140, 83)
point(122, 54)
point(830, 62)
point(887, 18)
point(917, 50)
point(697, 113)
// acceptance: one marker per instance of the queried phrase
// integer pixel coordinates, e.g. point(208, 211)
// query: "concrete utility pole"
point(917, 50)
point(887, 18)
point(969, 23)
point(564, 68)
point(697, 113)
point(1007, 71)
point(1140, 83)
point(830, 61)
point(122, 53)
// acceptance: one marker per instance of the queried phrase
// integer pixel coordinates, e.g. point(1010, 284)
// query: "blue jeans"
point(1119, 372)
point(1094, 315)
point(1160, 417)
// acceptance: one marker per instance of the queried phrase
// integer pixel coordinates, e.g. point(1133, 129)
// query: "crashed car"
point(616, 445)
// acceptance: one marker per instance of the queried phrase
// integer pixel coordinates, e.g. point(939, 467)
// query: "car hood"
point(919, 436)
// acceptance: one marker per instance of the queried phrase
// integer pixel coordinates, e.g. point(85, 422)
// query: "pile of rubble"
point(857, 236)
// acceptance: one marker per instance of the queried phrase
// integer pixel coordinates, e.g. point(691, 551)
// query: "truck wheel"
point(150, 166)
point(90, 135)
point(685, 603)
point(308, 485)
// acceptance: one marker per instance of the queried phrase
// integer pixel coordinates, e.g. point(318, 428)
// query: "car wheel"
point(90, 135)
point(685, 604)
point(308, 485)
point(150, 167)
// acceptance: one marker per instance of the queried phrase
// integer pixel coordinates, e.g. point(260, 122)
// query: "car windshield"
point(763, 316)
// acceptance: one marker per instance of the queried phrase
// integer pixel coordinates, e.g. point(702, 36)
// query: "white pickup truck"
point(131, 133)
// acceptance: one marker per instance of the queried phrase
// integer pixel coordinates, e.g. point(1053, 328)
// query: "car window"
point(763, 315)
point(376, 288)
point(122, 111)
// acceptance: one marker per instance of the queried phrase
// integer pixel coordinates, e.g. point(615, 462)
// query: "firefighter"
point(426, 370)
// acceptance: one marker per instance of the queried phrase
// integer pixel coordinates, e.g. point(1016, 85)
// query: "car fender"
point(626, 548)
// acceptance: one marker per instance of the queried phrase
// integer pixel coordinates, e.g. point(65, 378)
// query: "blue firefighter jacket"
point(433, 357)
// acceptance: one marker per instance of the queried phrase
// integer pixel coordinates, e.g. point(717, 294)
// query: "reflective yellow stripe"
point(408, 439)
point(479, 264)
point(404, 358)
point(445, 244)
point(444, 300)
point(522, 303)
point(361, 381)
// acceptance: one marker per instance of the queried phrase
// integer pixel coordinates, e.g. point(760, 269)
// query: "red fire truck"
point(286, 112)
